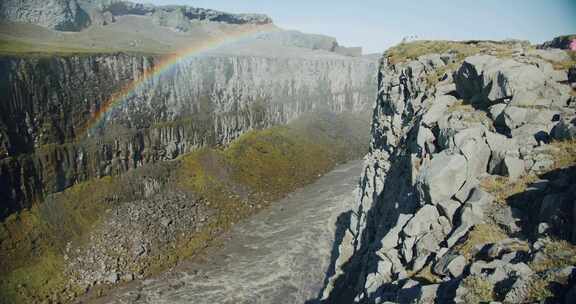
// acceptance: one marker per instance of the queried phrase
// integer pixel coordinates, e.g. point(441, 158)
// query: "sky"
point(378, 24)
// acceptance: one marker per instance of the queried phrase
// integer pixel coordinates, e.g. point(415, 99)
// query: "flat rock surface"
point(278, 256)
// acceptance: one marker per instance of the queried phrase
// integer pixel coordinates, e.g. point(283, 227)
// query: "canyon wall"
point(48, 144)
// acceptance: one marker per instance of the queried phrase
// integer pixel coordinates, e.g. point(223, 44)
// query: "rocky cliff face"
point(467, 194)
point(62, 15)
point(47, 103)
point(76, 15)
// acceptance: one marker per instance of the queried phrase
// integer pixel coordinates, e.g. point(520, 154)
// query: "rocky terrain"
point(468, 190)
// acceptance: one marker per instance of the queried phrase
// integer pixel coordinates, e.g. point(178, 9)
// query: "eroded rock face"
point(61, 15)
point(425, 199)
point(48, 143)
point(76, 15)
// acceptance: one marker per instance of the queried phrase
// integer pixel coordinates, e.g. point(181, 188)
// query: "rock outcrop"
point(61, 15)
point(76, 15)
point(561, 42)
point(456, 201)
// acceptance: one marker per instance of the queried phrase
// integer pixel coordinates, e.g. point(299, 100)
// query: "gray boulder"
point(442, 178)
point(472, 213)
point(565, 129)
point(450, 264)
point(513, 167)
point(449, 208)
point(438, 109)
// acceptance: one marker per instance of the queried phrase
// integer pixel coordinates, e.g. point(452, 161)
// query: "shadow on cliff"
point(395, 199)
point(342, 224)
point(549, 200)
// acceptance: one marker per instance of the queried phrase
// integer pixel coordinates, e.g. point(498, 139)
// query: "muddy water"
point(278, 256)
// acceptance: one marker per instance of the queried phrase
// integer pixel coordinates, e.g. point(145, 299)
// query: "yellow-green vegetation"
point(471, 115)
point(538, 290)
point(480, 234)
point(502, 187)
point(15, 47)
point(32, 241)
point(425, 275)
point(461, 106)
point(564, 153)
point(558, 253)
point(412, 50)
point(478, 290)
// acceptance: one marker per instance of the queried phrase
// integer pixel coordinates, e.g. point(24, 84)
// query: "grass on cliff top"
point(412, 50)
point(11, 47)
point(237, 181)
point(14, 47)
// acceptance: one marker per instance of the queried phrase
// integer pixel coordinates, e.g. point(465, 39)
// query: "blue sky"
point(378, 24)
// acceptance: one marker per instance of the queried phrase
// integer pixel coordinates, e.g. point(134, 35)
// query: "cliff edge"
point(467, 194)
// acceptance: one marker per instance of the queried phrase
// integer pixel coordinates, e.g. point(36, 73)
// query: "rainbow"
point(165, 64)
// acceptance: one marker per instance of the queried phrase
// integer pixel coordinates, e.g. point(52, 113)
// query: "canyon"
point(169, 154)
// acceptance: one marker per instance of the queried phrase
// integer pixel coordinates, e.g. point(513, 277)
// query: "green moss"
point(38, 280)
point(33, 241)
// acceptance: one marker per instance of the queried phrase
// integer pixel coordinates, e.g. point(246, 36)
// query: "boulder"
point(422, 221)
point(438, 109)
point(390, 240)
point(472, 213)
point(448, 208)
point(508, 218)
point(443, 177)
point(500, 147)
point(425, 140)
point(450, 264)
point(513, 167)
point(565, 129)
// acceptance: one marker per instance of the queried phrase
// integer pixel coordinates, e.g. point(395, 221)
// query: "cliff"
point(201, 101)
point(77, 15)
point(467, 194)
